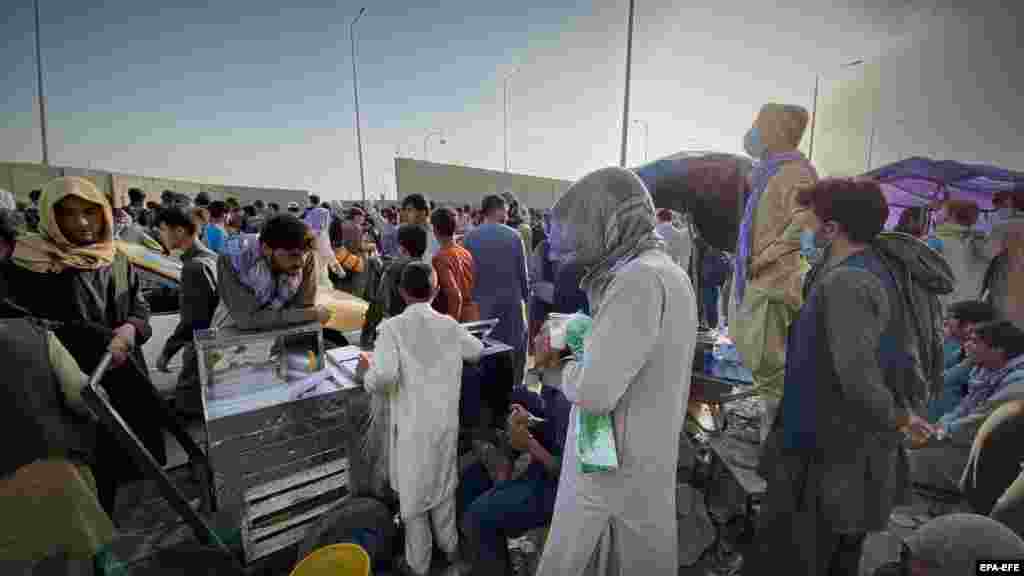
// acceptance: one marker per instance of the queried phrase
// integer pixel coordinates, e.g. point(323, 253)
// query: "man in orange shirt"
point(454, 267)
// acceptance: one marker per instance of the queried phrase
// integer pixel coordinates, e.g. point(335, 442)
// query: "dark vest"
point(809, 412)
point(37, 421)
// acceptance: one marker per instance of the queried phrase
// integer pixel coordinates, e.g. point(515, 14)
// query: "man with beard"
point(269, 280)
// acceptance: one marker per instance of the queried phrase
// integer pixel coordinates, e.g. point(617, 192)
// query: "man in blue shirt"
point(215, 233)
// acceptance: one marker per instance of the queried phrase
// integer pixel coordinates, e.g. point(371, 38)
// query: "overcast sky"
point(259, 92)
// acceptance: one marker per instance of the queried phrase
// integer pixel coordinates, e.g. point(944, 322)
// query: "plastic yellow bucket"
point(335, 560)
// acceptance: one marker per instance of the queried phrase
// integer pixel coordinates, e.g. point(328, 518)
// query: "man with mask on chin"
point(269, 281)
point(769, 272)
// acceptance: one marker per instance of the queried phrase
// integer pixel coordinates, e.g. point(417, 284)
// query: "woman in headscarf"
point(71, 273)
point(636, 368)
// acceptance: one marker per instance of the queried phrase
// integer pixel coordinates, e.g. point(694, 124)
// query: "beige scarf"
point(49, 251)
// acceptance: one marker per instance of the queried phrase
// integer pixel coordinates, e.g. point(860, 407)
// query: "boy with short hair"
point(417, 363)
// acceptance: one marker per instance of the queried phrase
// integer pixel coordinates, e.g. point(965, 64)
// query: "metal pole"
point(504, 107)
point(355, 92)
point(42, 95)
point(814, 118)
point(871, 144)
point(625, 104)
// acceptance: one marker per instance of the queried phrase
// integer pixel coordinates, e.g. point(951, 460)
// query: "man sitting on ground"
point(269, 281)
point(960, 321)
point(498, 501)
point(997, 349)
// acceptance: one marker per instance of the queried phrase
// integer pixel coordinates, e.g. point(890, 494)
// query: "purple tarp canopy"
point(923, 182)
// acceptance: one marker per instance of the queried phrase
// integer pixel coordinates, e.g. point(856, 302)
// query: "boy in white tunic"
point(417, 362)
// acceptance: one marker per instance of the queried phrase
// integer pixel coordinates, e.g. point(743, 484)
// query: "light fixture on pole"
point(505, 115)
point(355, 93)
point(426, 140)
point(42, 95)
point(647, 135)
point(814, 106)
point(625, 103)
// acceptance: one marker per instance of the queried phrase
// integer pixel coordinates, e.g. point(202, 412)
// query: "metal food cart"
point(278, 449)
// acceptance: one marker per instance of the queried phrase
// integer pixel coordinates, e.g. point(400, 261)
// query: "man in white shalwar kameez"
point(636, 366)
point(417, 363)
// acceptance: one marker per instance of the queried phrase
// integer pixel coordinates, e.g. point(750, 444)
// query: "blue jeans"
point(492, 513)
point(711, 305)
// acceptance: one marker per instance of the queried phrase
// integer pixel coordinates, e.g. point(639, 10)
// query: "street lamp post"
point(42, 95)
point(625, 103)
point(426, 140)
point(355, 93)
point(505, 110)
point(647, 134)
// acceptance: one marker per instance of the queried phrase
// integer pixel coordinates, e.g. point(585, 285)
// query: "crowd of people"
point(837, 319)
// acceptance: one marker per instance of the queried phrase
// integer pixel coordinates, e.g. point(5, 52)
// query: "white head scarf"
point(603, 221)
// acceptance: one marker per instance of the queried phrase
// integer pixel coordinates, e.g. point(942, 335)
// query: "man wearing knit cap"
point(953, 545)
point(768, 277)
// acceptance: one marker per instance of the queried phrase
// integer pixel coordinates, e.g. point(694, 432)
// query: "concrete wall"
point(446, 183)
point(22, 178)
point(953, 92)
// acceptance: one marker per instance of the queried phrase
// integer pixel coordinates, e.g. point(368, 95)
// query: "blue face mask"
point(752, 143)
point(810, 247)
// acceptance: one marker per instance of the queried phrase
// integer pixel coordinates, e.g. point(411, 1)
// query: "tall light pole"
point(355, 93)
point(647, 135)
point(504, 93)
point(625, 103)
point(42, 95)
point(426, 139)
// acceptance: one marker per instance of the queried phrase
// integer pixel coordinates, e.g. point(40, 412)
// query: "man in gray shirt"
point(197, 299)
point(269, 281)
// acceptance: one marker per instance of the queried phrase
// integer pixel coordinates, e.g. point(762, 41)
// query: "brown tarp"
point(712, 187)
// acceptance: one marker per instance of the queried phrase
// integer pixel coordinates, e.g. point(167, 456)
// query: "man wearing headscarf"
point(768, 275)
point(71, 273)
point(635, 369)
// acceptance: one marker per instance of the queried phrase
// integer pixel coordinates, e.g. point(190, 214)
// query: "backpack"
point(383, 302)
point(921, 275)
